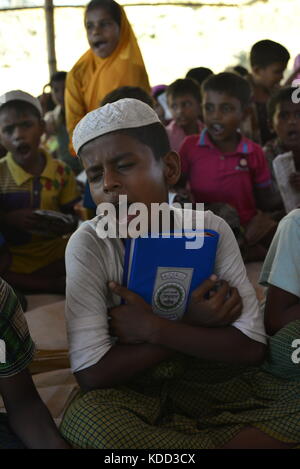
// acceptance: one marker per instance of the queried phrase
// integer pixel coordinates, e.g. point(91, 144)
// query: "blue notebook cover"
point(165, 273)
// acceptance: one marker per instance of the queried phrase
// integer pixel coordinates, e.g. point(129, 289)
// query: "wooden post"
point(49, 15)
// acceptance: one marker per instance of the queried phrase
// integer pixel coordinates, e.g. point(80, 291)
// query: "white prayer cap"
point(127, 113)
point(18, 95)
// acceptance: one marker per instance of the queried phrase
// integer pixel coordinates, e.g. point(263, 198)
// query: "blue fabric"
point(87, 198)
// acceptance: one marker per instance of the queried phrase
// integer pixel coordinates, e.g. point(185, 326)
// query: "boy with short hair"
point(28, 422)
point(284, 118)
point(56, 122)
point(31, 179)
point(199, 74)
point(268, 61)
point(184, 102)
point(147, 389)
point(222, 165)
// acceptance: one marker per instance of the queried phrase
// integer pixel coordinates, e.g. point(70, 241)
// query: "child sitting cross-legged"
point(146, 381)
point(223, 166)
point(184, 102)
point(30, 179)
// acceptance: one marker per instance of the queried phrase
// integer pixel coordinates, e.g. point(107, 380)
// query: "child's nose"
point(18, 133)
point(110, 182)
point(180, 110)
point(216, 114)
point(97, 30)
point(292, 119)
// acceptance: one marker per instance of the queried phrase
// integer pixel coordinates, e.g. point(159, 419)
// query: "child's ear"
point(256, 69)
point(172, 167)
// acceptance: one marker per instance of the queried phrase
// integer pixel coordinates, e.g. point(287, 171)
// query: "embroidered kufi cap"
point(127, 113)
point(18, 95)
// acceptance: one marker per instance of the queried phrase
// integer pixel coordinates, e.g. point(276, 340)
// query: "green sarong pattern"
point(186, 403)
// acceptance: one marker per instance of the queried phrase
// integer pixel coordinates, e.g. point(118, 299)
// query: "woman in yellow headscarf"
point(113, 60)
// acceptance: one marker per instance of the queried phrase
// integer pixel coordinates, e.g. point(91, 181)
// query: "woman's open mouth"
point(99, 45)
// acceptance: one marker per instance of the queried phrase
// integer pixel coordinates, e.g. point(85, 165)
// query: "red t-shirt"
point(225, 177)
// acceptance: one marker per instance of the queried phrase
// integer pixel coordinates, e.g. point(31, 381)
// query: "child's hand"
point(295, 181)
point(221, 309)
point(133, 322)
point(23, 219)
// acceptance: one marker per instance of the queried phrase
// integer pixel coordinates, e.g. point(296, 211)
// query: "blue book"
point(164, 272)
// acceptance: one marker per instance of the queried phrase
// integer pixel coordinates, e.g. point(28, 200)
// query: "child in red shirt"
point(184, 103)
point(222, 165)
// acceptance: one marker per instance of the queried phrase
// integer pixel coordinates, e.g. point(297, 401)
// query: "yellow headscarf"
point(92, 77)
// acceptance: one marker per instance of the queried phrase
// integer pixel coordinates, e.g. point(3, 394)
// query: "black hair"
point(21, 107)
point(128, 92)
point(112, 7)
point(199, 74)
point(152, 135)
point(266, 52)
point(58, 76)
point(230, 83)
point(240, 70)
point(184, 86)
point(280, 96)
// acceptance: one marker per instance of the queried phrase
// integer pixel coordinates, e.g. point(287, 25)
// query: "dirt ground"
point(173, 39)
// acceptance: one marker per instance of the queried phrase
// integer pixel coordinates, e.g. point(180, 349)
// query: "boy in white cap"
point(159, 385)
point(31, 179)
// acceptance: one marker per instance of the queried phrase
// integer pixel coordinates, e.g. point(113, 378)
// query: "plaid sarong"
point(18, 351)
point(14, 332)
point(186, 403)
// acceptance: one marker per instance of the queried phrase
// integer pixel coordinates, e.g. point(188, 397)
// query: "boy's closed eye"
point(125, 166)
point(97, 175)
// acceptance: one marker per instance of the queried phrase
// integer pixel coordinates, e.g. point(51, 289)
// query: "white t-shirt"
point(92, 262)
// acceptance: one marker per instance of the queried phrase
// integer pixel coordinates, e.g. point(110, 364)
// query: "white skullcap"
point(18, 95)
point(127, 113)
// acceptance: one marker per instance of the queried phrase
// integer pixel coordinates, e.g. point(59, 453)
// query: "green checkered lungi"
point(19, 351)
point(186, 403)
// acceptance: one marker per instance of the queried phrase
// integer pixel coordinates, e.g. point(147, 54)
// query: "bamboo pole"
point(49, 15)
point(194, 4)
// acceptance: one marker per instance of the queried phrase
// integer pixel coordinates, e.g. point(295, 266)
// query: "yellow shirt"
point(54, 189)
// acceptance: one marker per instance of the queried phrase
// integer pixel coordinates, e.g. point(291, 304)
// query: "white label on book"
point(171, 290)
point(284, 166)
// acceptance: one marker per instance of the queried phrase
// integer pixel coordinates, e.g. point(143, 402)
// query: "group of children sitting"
point(161, 384)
